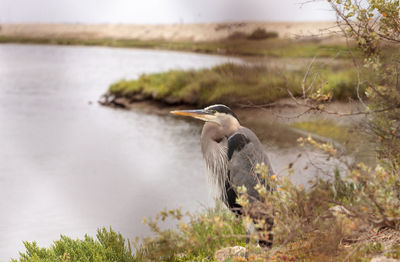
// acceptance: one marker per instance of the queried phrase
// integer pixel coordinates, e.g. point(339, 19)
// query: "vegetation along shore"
point(240, 39)
point(231, 84)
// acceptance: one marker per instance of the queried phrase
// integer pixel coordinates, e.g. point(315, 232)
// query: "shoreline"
point(279, 39)
point(244, 48)
point(284, 111)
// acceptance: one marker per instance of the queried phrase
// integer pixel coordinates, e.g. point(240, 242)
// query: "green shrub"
point(108, 246)
point(196, 236)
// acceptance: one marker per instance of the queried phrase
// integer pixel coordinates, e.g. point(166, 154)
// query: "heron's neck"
point(214, 142)
point(214, 133)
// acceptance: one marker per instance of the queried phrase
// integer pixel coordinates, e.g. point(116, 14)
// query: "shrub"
point(261, 34)
point(108, 246)
point(237, 35)
point(197, 235)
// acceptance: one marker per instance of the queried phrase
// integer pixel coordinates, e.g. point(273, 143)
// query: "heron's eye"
point(213, 111)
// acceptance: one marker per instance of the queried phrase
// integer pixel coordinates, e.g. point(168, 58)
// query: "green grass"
point(355, 142)
point(232, 84)
point(239, 47)
point(325, 128)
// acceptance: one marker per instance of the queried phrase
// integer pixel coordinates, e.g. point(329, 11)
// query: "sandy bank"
point(168, 32)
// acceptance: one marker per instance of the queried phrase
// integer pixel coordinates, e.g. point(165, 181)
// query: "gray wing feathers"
point(243, 158)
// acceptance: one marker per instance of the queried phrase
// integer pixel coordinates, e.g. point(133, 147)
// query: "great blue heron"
point(231, 153)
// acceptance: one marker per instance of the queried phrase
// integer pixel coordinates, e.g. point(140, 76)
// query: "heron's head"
point(219, 114)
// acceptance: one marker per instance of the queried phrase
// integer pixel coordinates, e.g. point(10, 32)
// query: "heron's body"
point(230, 159)
point(231, 153)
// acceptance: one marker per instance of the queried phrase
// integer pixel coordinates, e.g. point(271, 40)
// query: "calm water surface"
point(68, 166)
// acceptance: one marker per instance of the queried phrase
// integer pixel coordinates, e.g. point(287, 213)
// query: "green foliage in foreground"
point(196, 236)
point(108, 246)
point(234, 84)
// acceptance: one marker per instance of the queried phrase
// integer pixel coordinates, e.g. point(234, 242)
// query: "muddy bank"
point(284, 111)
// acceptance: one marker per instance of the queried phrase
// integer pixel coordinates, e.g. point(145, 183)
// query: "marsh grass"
point(233, 84)
point(238, 46)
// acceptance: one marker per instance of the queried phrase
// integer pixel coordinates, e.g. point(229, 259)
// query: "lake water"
point(69, 166)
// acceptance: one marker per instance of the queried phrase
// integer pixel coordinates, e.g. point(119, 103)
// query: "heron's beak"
point(199, 114)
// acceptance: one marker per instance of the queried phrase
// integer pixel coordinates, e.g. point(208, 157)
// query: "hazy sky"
point(161, 11)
